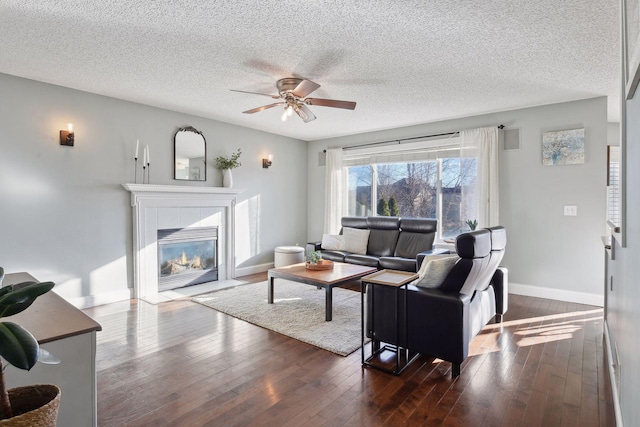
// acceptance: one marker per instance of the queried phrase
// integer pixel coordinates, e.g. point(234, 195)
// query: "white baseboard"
point(260, 268)
point(101, 299)
point(126, 294)
point(612, 375)
point(557, 294)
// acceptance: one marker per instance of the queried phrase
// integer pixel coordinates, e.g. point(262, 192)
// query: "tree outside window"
point(442, 189)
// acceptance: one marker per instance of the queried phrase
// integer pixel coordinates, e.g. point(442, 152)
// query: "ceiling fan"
point(292, 93)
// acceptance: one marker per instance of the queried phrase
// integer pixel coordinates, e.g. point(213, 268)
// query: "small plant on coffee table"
point(314, 257)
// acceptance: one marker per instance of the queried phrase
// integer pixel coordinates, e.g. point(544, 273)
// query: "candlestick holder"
point(135, 170)
point(148, 172)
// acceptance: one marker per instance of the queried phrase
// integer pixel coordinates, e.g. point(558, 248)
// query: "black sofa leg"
point(499, 318)
point(455, 370)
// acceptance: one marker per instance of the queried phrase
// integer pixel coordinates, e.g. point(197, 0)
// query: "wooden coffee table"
point(328, 279)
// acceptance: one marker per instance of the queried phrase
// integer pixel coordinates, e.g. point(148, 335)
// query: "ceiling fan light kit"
point(292, 93)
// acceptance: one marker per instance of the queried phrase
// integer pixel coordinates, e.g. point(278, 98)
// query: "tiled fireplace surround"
point(158, 207)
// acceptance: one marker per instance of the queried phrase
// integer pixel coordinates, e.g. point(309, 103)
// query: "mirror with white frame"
point(190, 153)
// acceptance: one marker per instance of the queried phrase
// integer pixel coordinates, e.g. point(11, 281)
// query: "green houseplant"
point(20, 349)
point(472, 224)
point(225, 164)
point(230, 162)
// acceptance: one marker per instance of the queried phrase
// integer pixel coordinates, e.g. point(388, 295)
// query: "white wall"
point(548, 254)
point(64, 215)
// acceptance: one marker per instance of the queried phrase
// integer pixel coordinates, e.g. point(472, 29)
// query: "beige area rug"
point(298, 312)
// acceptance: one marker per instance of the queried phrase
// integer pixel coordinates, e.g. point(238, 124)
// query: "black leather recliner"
point(442, 322)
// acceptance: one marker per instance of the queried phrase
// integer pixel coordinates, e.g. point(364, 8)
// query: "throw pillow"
point(331, 242)
point(354, 240)
point(434, 270)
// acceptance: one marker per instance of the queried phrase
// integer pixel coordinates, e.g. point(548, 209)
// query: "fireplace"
point(161, 207)
point(187, 256)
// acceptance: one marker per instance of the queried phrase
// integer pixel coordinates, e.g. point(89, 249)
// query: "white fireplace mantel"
point(147, 199)
point(178, 191)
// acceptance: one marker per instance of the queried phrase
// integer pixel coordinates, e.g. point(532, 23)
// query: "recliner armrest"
point(438, 320)
point(313, 246)
point(448, 340)
point(435, 251)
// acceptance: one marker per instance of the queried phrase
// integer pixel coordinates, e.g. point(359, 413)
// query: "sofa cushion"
point(410, 244)
point(474, 249)
point(475, 244)
point(354, 240)
point(331, 242)
point(368, 260)
point(397, 263)
point(498, 244)
point(383, 236)
point(498, 238)
point(354, 222)
point(457, 276)
point(382, 242)
point(419, 225)
point(434, 270)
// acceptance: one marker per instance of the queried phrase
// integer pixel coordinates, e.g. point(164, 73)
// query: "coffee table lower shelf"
point(403, 356)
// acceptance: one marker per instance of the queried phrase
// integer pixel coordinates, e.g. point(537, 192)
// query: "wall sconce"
point(67, 137)
point(267, 162)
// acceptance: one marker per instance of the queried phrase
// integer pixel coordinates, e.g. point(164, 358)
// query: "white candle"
point(148, 155)
point(144, 157)
point(137, 145)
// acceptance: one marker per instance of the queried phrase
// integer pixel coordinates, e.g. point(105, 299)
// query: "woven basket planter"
point(34, 406)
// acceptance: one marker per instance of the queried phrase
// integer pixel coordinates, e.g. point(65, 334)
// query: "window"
point(614, 194)
point(359, 194)
point(434, 183)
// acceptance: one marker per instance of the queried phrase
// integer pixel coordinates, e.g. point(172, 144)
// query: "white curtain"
point(334, 188)
point(482, 144)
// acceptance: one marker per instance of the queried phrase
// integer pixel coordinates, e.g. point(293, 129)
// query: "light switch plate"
point(570, 211)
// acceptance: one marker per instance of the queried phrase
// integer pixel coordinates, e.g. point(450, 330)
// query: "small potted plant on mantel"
point(225, 164)
point(35, 405)
point(472, 223)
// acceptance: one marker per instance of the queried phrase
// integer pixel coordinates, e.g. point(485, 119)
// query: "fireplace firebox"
point(187, 256)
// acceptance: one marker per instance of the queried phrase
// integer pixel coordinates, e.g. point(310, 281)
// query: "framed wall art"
point(563, 147)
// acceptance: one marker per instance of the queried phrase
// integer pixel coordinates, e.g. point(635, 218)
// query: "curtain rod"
point(401, 140)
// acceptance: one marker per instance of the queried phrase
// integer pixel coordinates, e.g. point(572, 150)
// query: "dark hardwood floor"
point(182, 364)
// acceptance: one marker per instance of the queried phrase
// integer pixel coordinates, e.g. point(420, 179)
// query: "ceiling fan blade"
point(264, 107)
point(347, 105)
point(305, 113)
point(256, 93)
point(304, 88)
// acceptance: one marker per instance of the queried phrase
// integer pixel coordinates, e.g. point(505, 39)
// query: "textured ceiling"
point(403, 62)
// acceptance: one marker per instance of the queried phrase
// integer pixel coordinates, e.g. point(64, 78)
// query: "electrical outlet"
point(570, 211)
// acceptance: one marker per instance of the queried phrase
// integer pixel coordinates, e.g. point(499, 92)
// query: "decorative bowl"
point(323, 264)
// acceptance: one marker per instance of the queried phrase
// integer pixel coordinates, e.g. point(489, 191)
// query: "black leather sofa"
point(442, 322)
point(394, 243)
